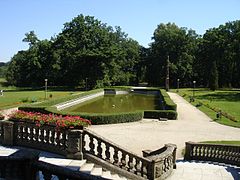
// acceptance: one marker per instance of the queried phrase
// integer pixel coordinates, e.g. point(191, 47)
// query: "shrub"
point(97, 119)
point(169, 114)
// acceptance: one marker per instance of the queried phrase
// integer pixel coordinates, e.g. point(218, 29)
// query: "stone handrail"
point(229, 154)
point(154, 165)
point(113, 154)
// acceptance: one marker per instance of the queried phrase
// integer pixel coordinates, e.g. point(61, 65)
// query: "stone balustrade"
point(229, 154)
point(154, 165)
point(78, 143)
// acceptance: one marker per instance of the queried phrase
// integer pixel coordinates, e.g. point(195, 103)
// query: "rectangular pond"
point(119, 103)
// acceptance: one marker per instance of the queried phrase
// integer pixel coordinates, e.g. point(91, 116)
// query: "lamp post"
point(46, 80)
point(178, 84)
point(194, 82)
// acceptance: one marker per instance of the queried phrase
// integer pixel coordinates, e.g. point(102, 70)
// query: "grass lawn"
point(227, 101)
point(13, 98)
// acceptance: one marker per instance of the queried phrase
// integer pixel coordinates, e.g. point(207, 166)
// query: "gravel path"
point(192, 125)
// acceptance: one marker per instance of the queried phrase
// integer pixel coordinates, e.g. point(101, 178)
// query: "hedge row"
point(96, 119)
point(169, 104)
point(156, 114)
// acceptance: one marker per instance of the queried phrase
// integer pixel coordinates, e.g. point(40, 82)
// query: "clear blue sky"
point(138, 18)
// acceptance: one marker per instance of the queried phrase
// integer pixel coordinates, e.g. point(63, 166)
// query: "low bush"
point(97, 119)
point(156, 114)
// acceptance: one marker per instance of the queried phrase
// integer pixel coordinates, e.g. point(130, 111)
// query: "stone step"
point(87, 167)
point(76, 164)
point(97, 171)
point(107, 174)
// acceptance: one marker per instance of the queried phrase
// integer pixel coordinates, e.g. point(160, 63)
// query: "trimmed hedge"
point(156, 114)
point(169, 104)
point(95, 118)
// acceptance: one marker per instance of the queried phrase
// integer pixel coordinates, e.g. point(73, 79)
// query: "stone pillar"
point(75, 144)
point(8, 133)
point(188, 147)
point(174, 153)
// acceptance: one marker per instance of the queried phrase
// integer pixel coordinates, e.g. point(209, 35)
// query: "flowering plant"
point(58, 120)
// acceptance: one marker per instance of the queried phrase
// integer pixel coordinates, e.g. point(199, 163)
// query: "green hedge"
point(156, 114)
point(95, 118)
point(169, 104)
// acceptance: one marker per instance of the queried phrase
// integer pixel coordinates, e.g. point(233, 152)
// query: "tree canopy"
point(90, 53)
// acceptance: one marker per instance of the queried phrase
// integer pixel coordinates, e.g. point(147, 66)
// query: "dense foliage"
point(3, 69)
point(86, 52)
point(90, 54)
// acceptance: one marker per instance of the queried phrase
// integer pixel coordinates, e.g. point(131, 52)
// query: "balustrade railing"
point(75, 143)
point(229, 154)
point(45, 137)
point(112, 153)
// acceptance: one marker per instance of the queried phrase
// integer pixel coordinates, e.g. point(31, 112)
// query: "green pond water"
point(118, 103)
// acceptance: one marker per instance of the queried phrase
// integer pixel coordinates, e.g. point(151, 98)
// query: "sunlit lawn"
point(226, 100)
point(17, 98)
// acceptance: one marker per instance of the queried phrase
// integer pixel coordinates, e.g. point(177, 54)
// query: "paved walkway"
point(192, 125)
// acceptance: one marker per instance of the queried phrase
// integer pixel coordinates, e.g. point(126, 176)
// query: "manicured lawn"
point(227, 101)
point(16, 98)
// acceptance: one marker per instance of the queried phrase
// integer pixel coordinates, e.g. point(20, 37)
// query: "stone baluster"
point(52, 136)
point(91, 145)
point(46, 137)
point(99, 148)
point(123, 160)
point(115, 157)
point(41, 137)
point(31, 134)
point(107, 152)
point(130, 163)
